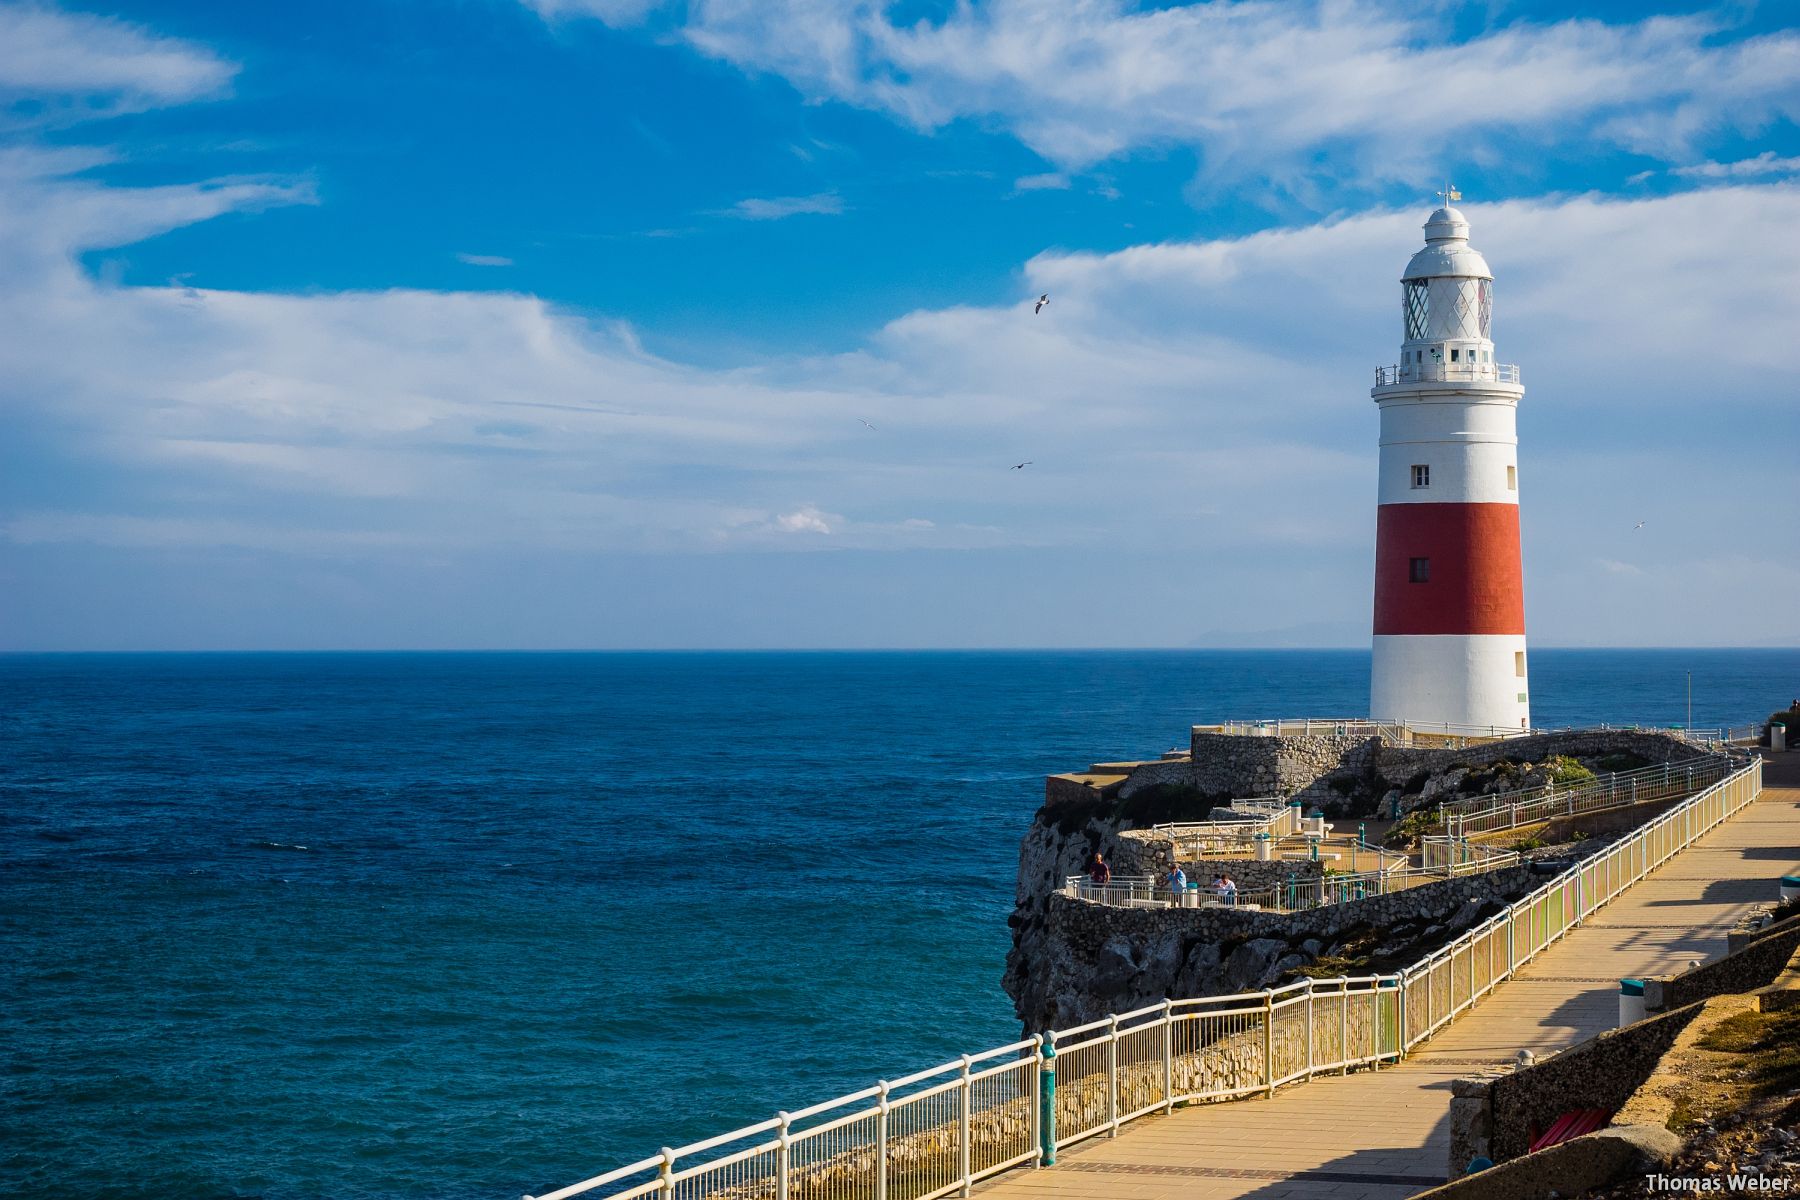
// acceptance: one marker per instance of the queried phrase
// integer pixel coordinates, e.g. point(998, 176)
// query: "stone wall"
point(1497, 1117)
point(1238, 765)
point(1078, 961)
point(1174, 772)
point(1324, 769)
point(1755, 966)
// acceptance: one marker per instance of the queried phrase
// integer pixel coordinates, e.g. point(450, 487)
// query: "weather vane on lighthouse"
point(1449, 195)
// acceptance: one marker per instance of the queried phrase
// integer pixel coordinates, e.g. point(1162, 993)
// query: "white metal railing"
point(1294, 894)
point(1310, 727)
point(1449, 856)
point(941, 1130)
point(1443, 372)
point(1509, 810)
point(1121, 891)
point(1277, 818)
point(1403, 732)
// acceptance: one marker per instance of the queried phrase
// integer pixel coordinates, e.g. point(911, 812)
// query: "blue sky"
point(621, 323)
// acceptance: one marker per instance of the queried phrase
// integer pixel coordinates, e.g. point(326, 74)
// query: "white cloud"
point(1204, 401)
point(1766, 163)
point(1613, 566)
point(1260, 85)
point(73, 66)
point(611, 12)
point(1052, 181)
point(484, 260)
point(804, 520)
point(824, 203)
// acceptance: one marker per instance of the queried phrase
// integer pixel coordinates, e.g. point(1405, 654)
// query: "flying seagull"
point(1042, 300)
point(865, 422)
point(1021, 466)
point(1637, 527)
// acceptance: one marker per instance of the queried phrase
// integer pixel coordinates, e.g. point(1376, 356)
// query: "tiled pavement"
point(1382, 1135)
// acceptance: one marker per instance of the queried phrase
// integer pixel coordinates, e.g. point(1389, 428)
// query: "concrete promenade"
point(1384, 1134)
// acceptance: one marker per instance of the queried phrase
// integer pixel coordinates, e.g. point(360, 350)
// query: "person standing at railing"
point(1227, 890)
point(1177, 882)
point(1099, 874)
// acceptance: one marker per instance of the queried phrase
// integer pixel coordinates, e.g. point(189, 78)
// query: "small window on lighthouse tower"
point(1419, 570)
point(1519, 663)
point(1512, 479)
point(1421, 475)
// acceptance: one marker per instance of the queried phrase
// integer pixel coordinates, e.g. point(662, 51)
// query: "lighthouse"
point(1449, 647)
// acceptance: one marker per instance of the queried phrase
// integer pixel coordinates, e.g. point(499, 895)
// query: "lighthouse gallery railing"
point(1446, 373)
point(939, 1131)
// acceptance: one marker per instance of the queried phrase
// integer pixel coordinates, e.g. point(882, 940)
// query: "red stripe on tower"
point(1471, 580)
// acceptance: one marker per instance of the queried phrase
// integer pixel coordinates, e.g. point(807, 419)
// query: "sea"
point(478, 925)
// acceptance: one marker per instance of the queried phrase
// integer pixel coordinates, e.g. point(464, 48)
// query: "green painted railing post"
point(1046, 1100)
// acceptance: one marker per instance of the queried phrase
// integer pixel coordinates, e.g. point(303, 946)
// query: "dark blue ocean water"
point(474, 925)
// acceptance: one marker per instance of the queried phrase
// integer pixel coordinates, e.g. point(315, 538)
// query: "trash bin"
point(1631, 1002)
point(1777, 736)
point(1264, 847)
point(1790, 887)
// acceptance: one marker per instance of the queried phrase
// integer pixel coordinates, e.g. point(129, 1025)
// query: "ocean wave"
point(267, 845)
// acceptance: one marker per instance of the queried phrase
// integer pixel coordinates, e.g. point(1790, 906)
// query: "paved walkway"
point(1382, 1135)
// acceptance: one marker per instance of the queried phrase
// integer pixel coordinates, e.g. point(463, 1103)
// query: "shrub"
point(1408, 829)
point(1565, 770)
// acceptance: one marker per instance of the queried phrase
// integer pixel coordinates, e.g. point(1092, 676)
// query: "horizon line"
point(6, 652)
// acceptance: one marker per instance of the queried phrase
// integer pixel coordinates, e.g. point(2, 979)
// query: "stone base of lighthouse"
point(1449, 680)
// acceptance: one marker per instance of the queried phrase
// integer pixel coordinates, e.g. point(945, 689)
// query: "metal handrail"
point(917, 1140)
point(1509, 810)
point(1441, 372)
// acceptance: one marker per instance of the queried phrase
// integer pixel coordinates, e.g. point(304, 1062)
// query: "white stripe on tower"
point(1449, 597)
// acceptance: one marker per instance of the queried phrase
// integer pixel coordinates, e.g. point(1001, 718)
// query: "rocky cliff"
point(1073, 962)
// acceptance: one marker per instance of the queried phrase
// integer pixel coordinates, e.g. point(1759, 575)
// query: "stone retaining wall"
point(1239, 765)
point(1322, 769)
point(1602, 1072)
point(1756, 965)
point(1088, 960)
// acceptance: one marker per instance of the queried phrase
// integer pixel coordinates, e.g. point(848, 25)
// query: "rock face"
point(1079, 961)
point(1073, 962)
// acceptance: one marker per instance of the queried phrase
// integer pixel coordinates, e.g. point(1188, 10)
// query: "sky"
point(642, 324)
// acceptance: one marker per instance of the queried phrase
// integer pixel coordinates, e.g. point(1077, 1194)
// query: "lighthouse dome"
point(1447, 250)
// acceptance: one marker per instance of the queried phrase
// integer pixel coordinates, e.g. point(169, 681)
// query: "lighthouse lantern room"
point(1449, 645)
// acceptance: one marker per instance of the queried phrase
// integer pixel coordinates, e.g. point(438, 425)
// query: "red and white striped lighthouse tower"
point(1449, 596)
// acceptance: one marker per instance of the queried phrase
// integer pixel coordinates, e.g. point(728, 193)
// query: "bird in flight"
point(865, 421)
point(1021, 466)
point(1637, 527)
point(1041, 301)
